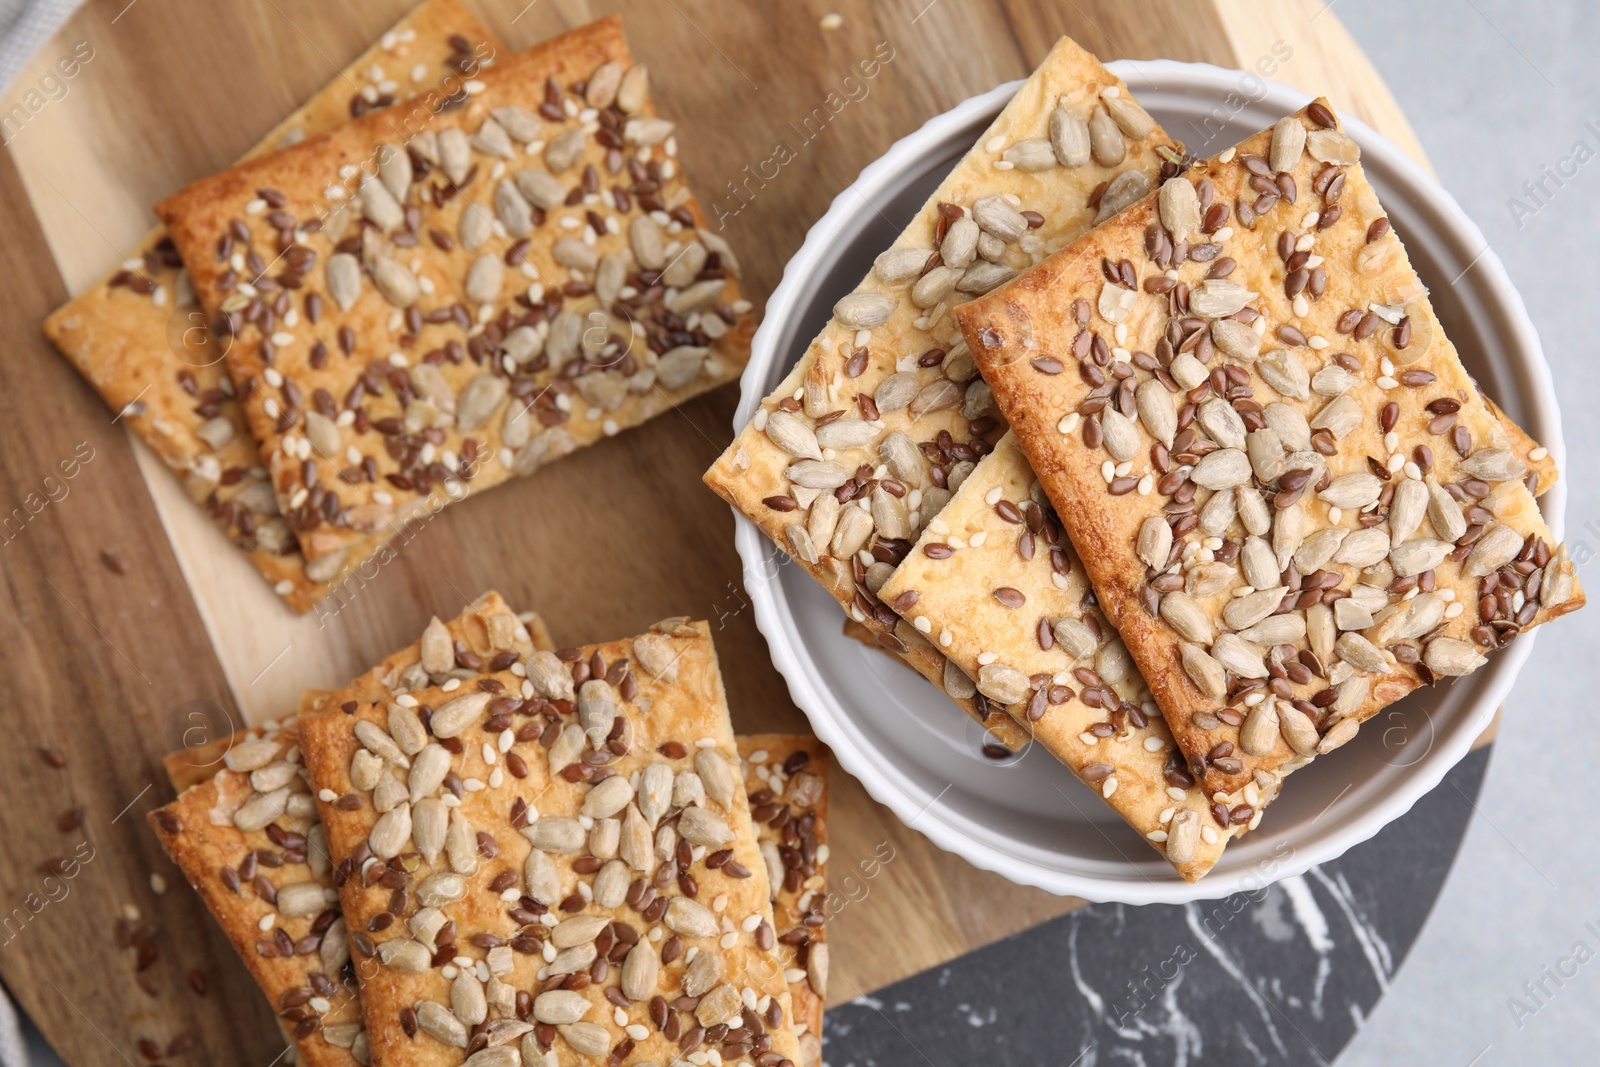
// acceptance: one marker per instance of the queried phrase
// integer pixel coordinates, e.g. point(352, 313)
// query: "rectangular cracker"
point(882, 353)
point(463, 366)
point(296, 956)
point(540, 846)
point(138, 337)
point(995, 585)
point(786, 781)
point(1055, 344)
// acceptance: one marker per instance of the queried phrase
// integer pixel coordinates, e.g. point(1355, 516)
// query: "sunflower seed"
point(1233, 337)
point(440, 889)
point(1126, 188)
point(1493, 465)
point(598, 710)
point(646, 130)
point(1558, 580)
point(1187, 371)
point(1266, 454)
point(899, 265)
point(1288, 531)
point(380, 744)
point(1156, 410)
point(1361, 653)
point(1032, 154)
point(1105, 139)
point(1222, 469)
point(1183, 836)
point(440, 1023)
point(995, 215)
point(1275, 630)
point(1410, 501)
point(394, 171)
point(1244, 612)
point(379, 205)
point(1155, 541)
point(519, 122)
point(1498, 546)
point(1115, 302)
point(1343, 731)
point(1185, 615)
point(1069, 138)
point(1218, 513)
point(1241, 656)
point(1219, 419)
point(1260, 566)
point(1203, 670)
point(1332, 146)
point(428, 771)
point(391, 833)
point(1259, 734)
point(540, 879)
point(718, 775)
point(1283, 370)
point(817, 968)
point(405, 955)
point(397, 284)
point(982, 277)
point(1363, 548)
point(934, 286)
point(1288, 141)
point(1352, 491)
point(1003, 684)
point(455, 155)
point(456, 715)
point(555, 834)
point(863, 310)
point(484, 279)
point(1339, 417)
point(344, 279)
point(793, 434)
point(851, 534)
point(633, 90)
point(492, 140)
point(1128, 115)
point(680, 366)
point(430, 824)
point(1418, 555)
point(1318, 548)
point(1298, 729)
point(1179, 209)
point(699, 826)
point(690, 918)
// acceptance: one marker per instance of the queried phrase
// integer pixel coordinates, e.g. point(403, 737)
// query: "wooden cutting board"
point(111, 670)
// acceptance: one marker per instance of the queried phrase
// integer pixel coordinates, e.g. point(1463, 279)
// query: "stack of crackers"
point(473, 265)
point(488, 851)
point(1166, 464)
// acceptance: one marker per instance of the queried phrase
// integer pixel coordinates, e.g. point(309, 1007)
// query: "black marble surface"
point(1282, 975)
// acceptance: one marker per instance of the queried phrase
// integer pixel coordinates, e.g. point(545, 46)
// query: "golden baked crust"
point(1057, 345)
point(786, 781)
point(994, 584)
point(454, 335)
point(238, 870)
point(138, 337)
point(901, 397)
point(538, 844)
point(242, 873)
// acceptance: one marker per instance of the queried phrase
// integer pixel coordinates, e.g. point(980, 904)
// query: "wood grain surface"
point(115, 669)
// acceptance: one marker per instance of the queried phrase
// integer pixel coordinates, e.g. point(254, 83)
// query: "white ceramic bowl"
point(1028, 818)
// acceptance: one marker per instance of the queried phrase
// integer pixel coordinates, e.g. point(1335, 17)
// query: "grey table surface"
point(1505, 100)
